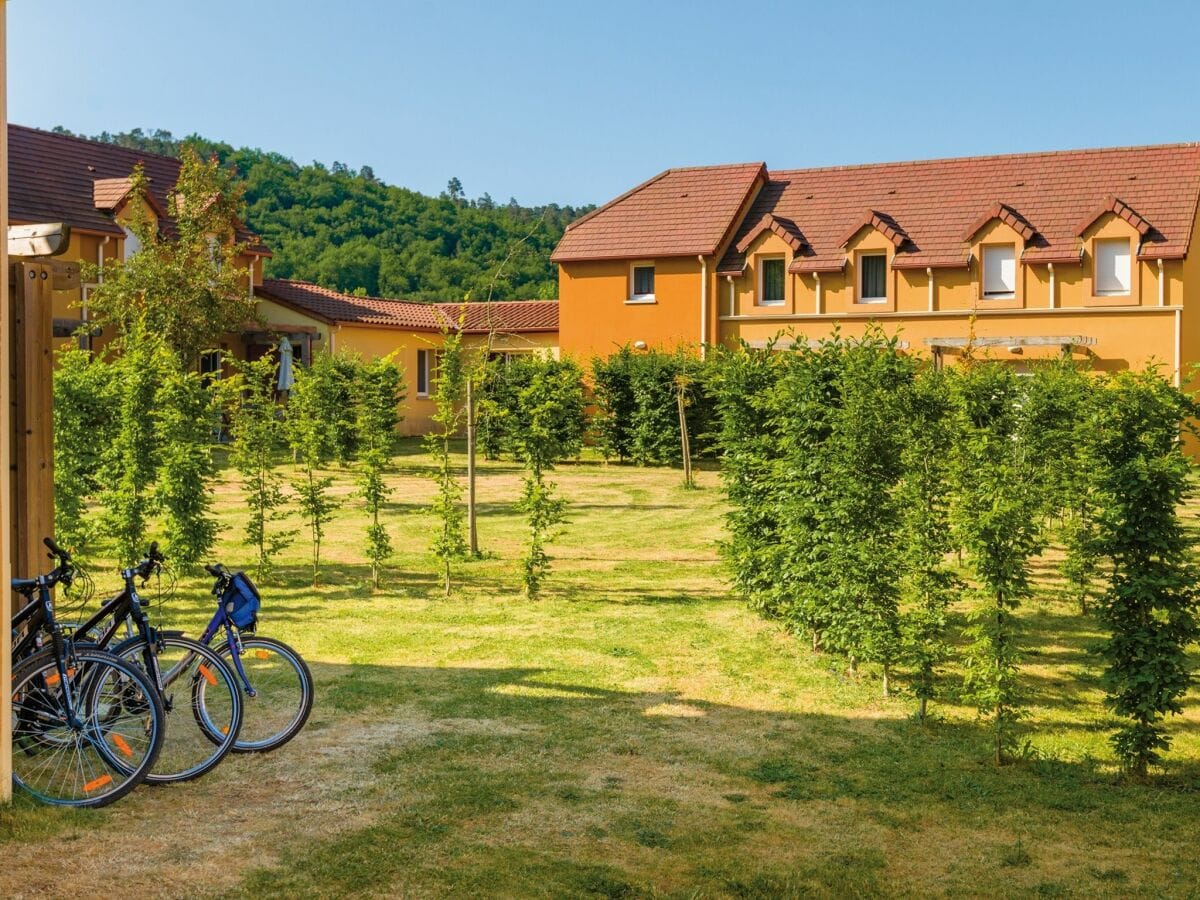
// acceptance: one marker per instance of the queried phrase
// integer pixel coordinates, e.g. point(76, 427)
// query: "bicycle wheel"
point(203, 705)
point(66, 735)
point(283, 693)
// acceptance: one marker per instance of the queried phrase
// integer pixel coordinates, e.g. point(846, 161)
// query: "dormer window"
point(131, 245)
point(771, 281)
point(641, 283)
point(1112, 275)
point(872, 277)
point(1000, 272)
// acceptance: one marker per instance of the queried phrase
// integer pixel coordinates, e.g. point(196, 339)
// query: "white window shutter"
point(1112, 271)
point(999, 271)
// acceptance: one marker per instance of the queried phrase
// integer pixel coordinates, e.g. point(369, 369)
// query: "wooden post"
point(6, 509)
point(31, 379)
point(472, 528)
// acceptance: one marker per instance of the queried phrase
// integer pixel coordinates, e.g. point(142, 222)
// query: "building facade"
point(1023, 256)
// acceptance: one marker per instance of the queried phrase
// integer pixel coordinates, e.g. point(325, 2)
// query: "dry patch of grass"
point(637, 732)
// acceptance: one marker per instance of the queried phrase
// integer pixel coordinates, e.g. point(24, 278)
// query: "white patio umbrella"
point(286, 376)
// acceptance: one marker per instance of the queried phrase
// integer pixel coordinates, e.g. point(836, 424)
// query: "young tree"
point(929, 584)
point(547, 427)
point(378, 394)
point(257, 435)
point(615, 404)
point(84, 397)
point(1150, 607)
point(185, 413)
point(130, 460)
point(185, 286)
point(996, 520)
point(311, 436)
point(449, 542)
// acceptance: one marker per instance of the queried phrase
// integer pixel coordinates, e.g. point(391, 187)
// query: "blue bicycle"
point(274, 677)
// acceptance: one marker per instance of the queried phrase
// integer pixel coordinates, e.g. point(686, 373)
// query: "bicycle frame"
point(219, 620)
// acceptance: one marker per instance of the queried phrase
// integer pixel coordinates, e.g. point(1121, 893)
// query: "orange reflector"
point(122, 745)
point(262, 654)
point(97, 783)
point(53, 679)
point(224, 729)
point(208, 675)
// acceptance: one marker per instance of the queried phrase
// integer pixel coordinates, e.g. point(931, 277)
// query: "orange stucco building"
point(1082, 252)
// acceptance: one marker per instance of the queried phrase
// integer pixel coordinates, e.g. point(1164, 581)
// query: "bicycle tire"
point(251, 740)
point(217, 723)
point(116, 702)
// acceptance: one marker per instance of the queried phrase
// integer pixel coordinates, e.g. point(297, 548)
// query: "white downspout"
point(929, 275)
point(1178, 344)
point(703, 304)
point(1162, 287)
point(250, 279)
point(1050, 266)
point(817, 291)
point(732, 302)
point(83, 305)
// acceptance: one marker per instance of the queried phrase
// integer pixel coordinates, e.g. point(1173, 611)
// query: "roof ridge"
point(1026, 154)
point(80, 139)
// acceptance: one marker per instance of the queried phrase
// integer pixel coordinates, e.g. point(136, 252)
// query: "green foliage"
point(311, 437)
point(929, 584)
point(637, 411)
point(186, 287)
point(379, 390)
point(995, 519)
point(257, 436)
point(186, 415)
point(1150, 606)
point(348, 230)
point(449, 541)
point(743, 385)
point(84, 398)
point(502, 416)
point(545, 428)
point(130, 460)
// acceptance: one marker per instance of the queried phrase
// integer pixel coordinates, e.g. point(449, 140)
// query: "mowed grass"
point(636, 732)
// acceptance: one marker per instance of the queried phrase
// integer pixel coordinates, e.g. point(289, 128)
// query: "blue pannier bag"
point(242, 602)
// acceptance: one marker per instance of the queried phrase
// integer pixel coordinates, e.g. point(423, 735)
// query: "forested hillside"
point(346, 229)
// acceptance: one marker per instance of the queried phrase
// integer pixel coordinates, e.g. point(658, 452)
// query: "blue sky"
point(576, 102)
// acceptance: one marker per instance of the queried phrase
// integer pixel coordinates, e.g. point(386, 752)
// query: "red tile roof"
point(925, 207)
point(62, 178)
point(937, 201)
point(681, 212)
point(511, 316)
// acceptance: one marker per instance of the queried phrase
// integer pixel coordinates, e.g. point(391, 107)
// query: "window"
point(642, 283)
point(1000, 272)
point(872, 278)
point(1112, 272)
point(132, 244)
point(210, 365)
point(423, 366)
point(770, 282)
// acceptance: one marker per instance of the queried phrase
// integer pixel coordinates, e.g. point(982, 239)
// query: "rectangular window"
point(423, 360)
point(770, 288)
point(1112, 272)
point(1000, 272)
point(643, 283)
point(872, 278)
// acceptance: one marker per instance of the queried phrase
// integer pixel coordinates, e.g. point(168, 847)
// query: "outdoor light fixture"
point(639, 345)
point(1016, 350)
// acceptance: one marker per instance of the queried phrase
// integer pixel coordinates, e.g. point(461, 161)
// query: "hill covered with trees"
point(345, 229)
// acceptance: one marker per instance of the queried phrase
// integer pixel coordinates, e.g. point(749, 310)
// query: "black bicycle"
point(88, 725)
point(191, 678)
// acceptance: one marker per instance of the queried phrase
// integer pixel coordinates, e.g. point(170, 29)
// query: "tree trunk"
point(472, 532)
point(921, 709)
point(684, 444)
point(887, 681)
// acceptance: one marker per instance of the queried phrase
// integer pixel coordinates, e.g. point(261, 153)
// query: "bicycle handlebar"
point(55, 550)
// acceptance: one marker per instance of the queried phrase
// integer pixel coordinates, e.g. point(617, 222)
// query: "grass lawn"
point(637, 732)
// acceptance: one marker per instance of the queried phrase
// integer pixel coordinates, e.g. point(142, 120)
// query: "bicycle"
point(87, 725)
point(173, 661)
point(273, 675)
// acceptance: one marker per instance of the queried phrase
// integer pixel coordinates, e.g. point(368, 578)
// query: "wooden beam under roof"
point(954, 343)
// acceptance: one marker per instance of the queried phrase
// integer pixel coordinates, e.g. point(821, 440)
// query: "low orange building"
point(1082, 252)
point(317, 319)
